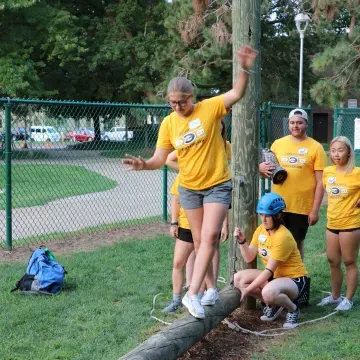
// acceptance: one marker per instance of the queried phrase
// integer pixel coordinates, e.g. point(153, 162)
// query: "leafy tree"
point(35, 37)
point(200, 48)
point(93, 50)
point(339, 63)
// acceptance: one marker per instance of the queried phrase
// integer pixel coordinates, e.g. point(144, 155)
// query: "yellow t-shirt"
point(228, 150)
point(280, 246)
point(300, 160)
point(183, 221)
point(343, 191)
point(200, 147)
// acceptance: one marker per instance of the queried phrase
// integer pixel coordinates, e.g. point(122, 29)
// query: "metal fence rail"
point(60, 180)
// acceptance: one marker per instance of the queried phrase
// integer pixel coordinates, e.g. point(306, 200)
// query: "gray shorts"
point(194, 199)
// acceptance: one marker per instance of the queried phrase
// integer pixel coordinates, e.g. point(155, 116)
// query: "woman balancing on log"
point(204, 179)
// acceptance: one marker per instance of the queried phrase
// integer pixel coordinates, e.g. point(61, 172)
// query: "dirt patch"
point(224, 343)
point(87, 241)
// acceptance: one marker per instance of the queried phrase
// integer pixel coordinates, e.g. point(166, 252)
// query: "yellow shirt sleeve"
point(320, 159)
point(164, 136)
point(254, 240)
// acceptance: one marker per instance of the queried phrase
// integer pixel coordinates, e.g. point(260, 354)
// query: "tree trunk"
point(245, 132)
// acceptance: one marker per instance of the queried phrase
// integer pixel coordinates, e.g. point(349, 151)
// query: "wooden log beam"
point(173, 341)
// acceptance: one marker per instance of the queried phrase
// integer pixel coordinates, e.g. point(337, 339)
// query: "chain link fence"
point(62, 171)
point(347, 123)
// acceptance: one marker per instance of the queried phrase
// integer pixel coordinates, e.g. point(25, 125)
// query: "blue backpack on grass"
point(44, 275)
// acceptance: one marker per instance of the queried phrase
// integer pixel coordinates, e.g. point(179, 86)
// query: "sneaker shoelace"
point(292, 317)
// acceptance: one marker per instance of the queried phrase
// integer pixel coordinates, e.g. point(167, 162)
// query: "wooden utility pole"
point(245, 131)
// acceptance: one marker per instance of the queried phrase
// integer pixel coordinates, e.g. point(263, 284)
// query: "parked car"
point(118, 134)
point(44, 133)
point(81, 135)
point(20, 133)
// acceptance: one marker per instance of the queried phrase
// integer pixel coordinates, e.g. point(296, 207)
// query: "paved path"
point(137, 195)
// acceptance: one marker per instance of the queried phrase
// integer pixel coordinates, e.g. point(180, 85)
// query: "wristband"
point(174, 223)
point(242, 242)
point(272, 273)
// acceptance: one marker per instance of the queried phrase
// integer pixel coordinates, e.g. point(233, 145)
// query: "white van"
point(44, 133)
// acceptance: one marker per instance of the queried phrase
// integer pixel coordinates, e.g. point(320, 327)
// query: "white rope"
point(235, 326)
point(152, 310)
point(222, 280)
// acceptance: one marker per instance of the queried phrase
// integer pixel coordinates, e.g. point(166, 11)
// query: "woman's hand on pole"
point(246, 56)
point(239, 234)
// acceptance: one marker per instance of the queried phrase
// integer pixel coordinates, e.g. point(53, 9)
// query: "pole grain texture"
point(245, 133)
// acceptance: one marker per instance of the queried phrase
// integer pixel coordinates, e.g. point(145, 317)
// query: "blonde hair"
point(351, 160)
point(180, 85)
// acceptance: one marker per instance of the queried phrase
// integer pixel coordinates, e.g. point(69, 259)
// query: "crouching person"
point(284, 278)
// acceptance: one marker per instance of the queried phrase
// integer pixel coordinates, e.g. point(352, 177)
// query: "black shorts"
point(300, 283)
point(185, 235)
point(297, 224)
point(337, 232)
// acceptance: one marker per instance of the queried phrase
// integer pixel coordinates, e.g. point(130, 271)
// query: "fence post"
point(311, 123)
point(165, 192)
point(8, 191)
point(335, 121)
point(269, 136)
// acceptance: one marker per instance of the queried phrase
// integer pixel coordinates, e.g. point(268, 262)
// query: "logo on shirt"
point(335, 190)
point(293, 160)
point(262, 238)
point(263, 252)
point(194, 124)
point(302, 151)
point(331, 179)
point(189, 138)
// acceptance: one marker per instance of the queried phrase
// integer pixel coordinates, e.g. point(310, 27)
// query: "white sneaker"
point(329, 300)
point(192, 303)
point(210, 297)
point(345, 305)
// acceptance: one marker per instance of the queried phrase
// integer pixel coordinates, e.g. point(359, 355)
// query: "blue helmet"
point(270, 204)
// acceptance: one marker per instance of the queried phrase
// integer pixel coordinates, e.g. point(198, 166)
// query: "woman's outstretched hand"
point(246, 56)
point(135, 163)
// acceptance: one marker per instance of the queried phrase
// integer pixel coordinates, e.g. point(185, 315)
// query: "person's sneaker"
point(345, 305)
point(210, 297)
point(292, 319)
point(172, 307)
point(192, 303)
point(271, 313)
point(329, 300)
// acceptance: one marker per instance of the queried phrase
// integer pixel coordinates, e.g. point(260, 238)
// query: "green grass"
point(103, 310)
point(334, 338)
point(37, 185)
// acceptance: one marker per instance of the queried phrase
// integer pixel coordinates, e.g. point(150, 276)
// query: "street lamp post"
point(302, 21)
